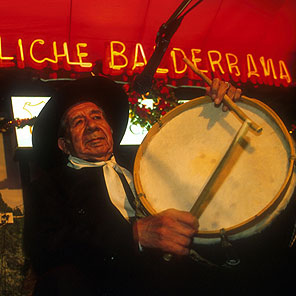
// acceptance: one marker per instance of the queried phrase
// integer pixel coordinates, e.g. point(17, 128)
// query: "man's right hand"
point(170, 231)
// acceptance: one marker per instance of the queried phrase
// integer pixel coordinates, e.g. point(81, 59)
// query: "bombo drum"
point(180, 153)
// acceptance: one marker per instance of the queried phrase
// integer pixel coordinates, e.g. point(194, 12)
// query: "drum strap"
point(231, 257)
point(232, 260)
point(129, 194)
point(198, 258)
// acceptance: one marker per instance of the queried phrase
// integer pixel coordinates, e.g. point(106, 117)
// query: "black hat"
point(104, 92)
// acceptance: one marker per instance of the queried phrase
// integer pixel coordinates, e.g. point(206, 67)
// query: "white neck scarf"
point(114, 185)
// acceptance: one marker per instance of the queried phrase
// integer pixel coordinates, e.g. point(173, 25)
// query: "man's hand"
point(170, 231)
point(219, 88)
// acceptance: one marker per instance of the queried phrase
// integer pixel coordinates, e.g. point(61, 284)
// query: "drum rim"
point(147, 208)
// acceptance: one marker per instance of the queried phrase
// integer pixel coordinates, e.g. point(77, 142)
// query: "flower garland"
point(162, 99)
point(5, 125)
point(144, 114)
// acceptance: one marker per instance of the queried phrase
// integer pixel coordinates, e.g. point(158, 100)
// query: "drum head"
point(177, 158)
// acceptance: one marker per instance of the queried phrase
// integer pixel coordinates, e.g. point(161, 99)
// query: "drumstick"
point(206, 195)
point(230, 104)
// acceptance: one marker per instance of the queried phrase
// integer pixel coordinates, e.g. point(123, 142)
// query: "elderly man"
point(82, 234)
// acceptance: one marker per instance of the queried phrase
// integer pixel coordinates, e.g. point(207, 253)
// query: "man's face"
point(89, 134)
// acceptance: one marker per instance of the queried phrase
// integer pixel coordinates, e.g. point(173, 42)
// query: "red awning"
point(246, 27)
point(266, 27)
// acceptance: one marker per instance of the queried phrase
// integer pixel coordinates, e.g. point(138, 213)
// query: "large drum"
point(180, 154)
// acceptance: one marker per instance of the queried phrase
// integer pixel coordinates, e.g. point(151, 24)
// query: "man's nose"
point(91, 125)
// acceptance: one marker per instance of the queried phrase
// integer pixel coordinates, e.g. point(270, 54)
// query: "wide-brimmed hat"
point(104, 92)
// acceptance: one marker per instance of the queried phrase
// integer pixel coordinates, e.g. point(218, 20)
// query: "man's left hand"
point(219, 88)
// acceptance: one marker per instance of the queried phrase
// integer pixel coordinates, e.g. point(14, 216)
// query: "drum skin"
point(179, 154)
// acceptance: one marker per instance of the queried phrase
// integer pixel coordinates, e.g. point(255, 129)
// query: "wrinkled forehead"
point(83, 108)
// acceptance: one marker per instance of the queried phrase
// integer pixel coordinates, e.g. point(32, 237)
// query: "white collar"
point(114, 185)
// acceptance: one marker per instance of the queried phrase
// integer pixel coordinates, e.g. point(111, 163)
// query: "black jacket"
point(70, 220)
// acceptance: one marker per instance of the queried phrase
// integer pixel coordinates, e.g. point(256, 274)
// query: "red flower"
point(132, 100)
point(163, 104)
point(134, 94)
point(165, 91)
point(126, 87)
point(160, 84)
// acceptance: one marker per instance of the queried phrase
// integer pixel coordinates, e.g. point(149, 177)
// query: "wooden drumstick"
point(206, 195)
point(226, 100)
